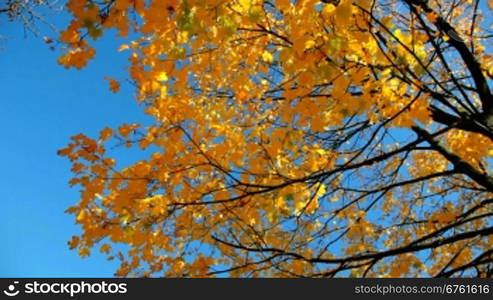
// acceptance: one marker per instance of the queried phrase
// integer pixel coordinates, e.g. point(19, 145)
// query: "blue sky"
point(44, 104)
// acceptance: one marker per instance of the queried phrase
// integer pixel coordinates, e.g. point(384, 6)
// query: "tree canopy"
point(291, 138)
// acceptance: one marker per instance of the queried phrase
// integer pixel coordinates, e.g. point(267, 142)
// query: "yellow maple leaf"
point(267, 57)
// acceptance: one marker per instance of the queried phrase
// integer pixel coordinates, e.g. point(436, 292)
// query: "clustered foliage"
point(292, 138)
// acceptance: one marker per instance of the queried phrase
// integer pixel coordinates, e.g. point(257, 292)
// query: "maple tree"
point(292, 138)
point(28, 13)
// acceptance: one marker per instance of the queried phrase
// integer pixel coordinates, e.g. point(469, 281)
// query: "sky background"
point(42, 105)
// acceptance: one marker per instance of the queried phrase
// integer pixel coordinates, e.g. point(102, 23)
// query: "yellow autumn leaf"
point(114, 84)
point(267, 57)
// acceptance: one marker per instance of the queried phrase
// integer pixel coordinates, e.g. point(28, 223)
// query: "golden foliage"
point(281, 142)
